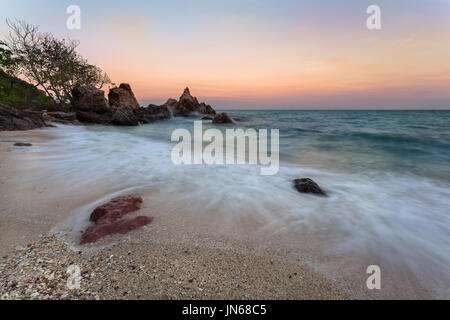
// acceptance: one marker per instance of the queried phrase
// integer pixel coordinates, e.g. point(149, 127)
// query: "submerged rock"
point(13, 119)
point(222, 118)
point(307, 185)
point(123, 95)
point(108, 218)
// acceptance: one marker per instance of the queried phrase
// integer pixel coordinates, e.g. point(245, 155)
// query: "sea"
point(386, 173)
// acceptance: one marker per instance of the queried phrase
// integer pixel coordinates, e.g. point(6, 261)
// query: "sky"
point(262, 54)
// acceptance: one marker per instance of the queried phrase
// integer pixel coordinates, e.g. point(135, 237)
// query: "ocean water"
point(387, 174)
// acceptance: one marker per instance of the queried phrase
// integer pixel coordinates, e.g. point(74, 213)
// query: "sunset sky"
point(262, 53)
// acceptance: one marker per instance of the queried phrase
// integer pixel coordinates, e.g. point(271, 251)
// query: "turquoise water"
point(409, 142)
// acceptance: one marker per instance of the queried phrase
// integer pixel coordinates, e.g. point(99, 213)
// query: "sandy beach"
point(175, 257)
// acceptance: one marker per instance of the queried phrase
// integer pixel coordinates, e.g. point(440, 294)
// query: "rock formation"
point(123, 95)
point(124, 116)
point(89, 99)
point(94, 118)
point(222, 118)
point(123, 109)
point(14, 119)
point(307, 185)
point(188, 105)
point(153, 113)
point(108, 218)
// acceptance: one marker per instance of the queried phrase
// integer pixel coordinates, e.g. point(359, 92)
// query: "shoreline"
point(222, 265)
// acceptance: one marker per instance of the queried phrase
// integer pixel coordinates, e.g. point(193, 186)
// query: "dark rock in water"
point(124, 116)
point(222, 118)
point(123, 95)
point(89, 99)
point(152, 113)
point(22, 144)
point(95, 118)
point(308, 186)
point(14, 119)
point(108, 218)
point(207, 118)
point(188, 105)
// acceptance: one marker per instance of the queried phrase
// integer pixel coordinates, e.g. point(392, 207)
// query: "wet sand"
point(175, 257)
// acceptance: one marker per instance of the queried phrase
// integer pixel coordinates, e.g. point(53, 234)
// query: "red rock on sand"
point(108, 219)
point(122, 226)
point(116, 208)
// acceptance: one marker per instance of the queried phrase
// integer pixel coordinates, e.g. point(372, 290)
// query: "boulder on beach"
point(124, 116)
point(222, 118)
point(108, 218)
point(122, 95)
point(307, 185)
point(89, 99)
point(95, 118)
point(13, 119)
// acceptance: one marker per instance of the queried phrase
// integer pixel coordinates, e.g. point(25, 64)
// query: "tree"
point(50, 63)
point(8, 63)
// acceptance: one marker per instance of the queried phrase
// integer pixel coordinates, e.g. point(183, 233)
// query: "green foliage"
point(22, 95)
point(46, 62)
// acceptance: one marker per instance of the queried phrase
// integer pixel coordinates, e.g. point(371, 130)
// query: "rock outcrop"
point(95, 118)
point(188, 105)
point(89, 99)
point(123, 109)
point(222, 118)
point(124, 116)
point(122, 96)
point(153, 113)
point(108, 218)
point(14, 119)
point(307, 185)
point(61, 117)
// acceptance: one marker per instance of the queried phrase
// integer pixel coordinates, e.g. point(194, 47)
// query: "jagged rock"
point(153, 113)
point(108, 218)
point(14, 119)
point(89, 99)
point(207, 118)
point(222, 118)
point(307, 185)
point(189, 104)
point(123, 95)
point(171, 102)
point(124, 116)
point(95, 118)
